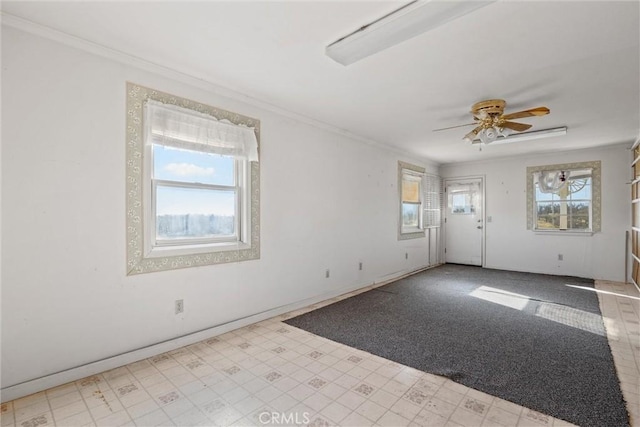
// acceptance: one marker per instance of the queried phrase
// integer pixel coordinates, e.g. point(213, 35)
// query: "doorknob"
point(479, 227)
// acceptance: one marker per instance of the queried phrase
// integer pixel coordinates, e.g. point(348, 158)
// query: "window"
point(196, 197)
point(564, 197)
point(565, 205)
point(411, 201)
point(193, 182)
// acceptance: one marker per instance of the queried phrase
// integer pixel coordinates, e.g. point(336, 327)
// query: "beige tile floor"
point(620, 307)
point(273, 374)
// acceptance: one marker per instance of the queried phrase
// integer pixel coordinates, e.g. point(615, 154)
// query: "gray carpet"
point(527, 338)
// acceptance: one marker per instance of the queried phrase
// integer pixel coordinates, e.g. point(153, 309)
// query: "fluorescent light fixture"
point(414, 18)
point(526, 136)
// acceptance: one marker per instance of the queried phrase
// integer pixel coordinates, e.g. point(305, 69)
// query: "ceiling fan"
point(491, 122)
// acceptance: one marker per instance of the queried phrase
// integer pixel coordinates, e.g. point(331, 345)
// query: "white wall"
point(510, 246)
point(327, 202)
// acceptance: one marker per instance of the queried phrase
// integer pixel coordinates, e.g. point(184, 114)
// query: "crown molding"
point(192, 80)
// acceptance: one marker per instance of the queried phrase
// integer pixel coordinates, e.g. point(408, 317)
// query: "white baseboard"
point(73, 374)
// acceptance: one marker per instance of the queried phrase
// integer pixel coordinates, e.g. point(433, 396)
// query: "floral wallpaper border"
point(137, 263)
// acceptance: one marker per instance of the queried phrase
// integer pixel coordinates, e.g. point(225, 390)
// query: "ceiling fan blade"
point(453, 127)
point(472, 135)
point(539, 111)
point(518, 127)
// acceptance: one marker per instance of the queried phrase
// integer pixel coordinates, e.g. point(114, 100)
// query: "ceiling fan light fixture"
point(488, 135)
point(505, 131)
point(526, 136)
point(398, 26)
point(471, 136)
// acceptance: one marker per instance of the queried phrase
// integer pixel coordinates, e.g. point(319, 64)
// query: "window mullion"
point(153, 236)
point(195, 185)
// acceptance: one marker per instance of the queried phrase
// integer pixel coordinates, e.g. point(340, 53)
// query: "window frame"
point(595, 202)
point(416, 173)
point(143, 254)
point(155, 249)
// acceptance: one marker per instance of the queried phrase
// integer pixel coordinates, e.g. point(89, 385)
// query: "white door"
point(464, 221)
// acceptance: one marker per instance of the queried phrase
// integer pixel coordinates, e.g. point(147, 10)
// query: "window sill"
point(182, 250)
point(564, 233)
point(414, 233)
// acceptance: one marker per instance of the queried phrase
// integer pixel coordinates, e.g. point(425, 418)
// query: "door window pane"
point(461, 203)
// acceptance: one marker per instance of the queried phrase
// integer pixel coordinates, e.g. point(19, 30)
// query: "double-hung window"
point(193, 182)
point(411, 201)
point(563, 200)
point(198, 181)
point(197, 197)
point(564, 197)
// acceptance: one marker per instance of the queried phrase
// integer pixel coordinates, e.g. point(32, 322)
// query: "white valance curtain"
point(174, 126)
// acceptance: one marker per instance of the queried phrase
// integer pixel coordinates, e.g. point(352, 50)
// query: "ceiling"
point(579, 58)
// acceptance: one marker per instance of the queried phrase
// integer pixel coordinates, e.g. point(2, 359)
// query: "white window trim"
point(141, 256)
point(596, 197)
point(406, 233)
point(242, 239)
point(414, 177)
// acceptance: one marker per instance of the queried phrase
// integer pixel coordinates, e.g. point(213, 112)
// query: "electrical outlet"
point(326, 274)
point(360, 266)
point(179, 306)
point(560, 257)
